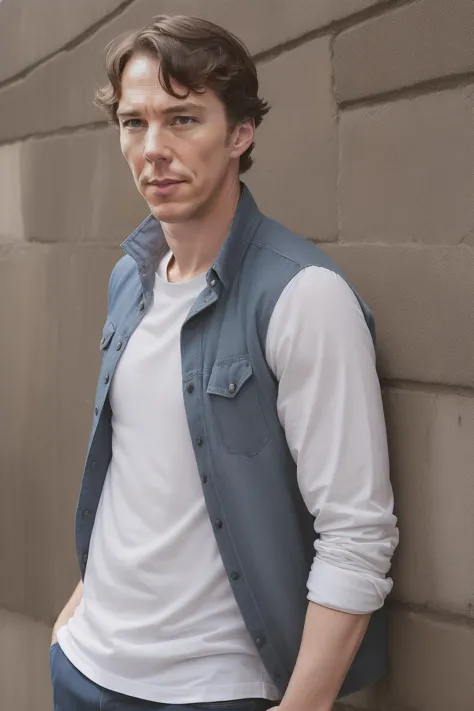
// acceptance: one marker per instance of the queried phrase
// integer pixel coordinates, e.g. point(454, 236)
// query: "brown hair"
point(196, 54)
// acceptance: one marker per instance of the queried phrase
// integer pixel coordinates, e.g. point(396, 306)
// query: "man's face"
point(181, 151)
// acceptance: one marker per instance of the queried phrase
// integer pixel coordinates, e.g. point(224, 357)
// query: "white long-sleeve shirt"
point(329, 404)
point(145, 626)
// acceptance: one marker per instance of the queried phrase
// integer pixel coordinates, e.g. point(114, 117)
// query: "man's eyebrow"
point(186, 106)
point(126, 112)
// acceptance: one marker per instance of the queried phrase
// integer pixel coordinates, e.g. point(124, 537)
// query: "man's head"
point(184, 93)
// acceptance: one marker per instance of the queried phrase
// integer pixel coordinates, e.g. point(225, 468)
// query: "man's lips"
point(163, 183)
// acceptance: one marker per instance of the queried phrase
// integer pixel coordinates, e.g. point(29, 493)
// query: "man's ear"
point(242, 137)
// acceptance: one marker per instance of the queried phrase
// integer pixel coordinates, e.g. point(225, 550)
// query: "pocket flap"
point(229, 375)
point(107, 333)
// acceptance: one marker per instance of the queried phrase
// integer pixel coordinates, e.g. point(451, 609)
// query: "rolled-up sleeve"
point(330, 407)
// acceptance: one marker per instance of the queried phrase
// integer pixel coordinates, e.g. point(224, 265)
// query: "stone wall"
point(368, 150)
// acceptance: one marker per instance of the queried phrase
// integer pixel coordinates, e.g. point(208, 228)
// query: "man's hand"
point(67, 612)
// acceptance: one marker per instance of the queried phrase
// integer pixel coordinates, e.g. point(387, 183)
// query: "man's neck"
point(195, 243)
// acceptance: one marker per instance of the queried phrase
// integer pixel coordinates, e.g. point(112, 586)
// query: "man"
point(235, 525)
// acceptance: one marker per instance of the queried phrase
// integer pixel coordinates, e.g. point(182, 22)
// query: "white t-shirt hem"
point(166, 695)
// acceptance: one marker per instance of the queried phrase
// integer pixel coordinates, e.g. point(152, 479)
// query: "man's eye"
point(183, 120)
point(133, 123)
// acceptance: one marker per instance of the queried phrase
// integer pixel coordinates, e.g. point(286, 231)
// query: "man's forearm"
point(68, 610)
point(329, 644)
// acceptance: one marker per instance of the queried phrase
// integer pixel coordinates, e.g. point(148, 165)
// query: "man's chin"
point(170, 212)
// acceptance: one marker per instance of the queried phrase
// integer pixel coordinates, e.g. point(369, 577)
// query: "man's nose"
point(156, 146)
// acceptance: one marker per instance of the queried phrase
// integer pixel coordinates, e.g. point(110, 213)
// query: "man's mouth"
point(164, 182)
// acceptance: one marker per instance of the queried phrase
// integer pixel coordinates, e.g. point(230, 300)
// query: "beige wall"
point(369, 149)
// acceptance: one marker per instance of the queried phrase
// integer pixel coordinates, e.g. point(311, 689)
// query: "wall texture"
point(368, 150)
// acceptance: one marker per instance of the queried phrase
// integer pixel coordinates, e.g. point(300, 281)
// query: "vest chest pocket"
point(234, 399)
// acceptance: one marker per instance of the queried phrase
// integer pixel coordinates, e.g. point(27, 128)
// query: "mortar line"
point(26, 616)
point(434, 614)
point(62, 131)
point(413, 91)
point(429, 388)
point(394, 245)
point(86, 244)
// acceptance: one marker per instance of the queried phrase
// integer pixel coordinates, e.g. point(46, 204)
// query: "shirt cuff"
point(346, 590)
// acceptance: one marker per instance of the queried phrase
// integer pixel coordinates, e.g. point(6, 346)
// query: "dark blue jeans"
point(74, 692)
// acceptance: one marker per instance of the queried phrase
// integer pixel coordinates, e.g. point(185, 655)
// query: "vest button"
point(142, 306)
point(96, 410)
point(85, 514)
point(85, 557)
point(199, 441)
point(107, 378)
point(213, 282)
point(234, 576)
point(219, 523)
point(260, 641)
point(119, 345)
point(232, 388)
point(204, 478)
point(190, 388)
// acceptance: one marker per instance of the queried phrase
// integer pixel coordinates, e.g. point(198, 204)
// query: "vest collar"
point(147, 244)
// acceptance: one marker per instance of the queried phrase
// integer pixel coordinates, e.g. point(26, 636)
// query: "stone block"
point(24, 664)
point(28, 432)
point(63, 87)
point(431, 438)
point(417, 42)
point(295, 172)
point(423, 301)
point(373, 698)
point(37, 30)
point(49, 364)
point(407, 170)
point(63, 90)
point(431, 662)
point(79, 188)
point(11, 218)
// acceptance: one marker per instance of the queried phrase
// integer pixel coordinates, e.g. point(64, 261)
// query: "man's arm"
point(68, 611)
point(329, 404)
point(330, 642)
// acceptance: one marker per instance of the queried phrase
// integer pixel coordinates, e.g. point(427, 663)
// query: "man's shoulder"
point(288, 252)
point(124, 270)
point(279, 255)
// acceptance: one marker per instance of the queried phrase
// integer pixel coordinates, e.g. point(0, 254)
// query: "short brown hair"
point(196, 54)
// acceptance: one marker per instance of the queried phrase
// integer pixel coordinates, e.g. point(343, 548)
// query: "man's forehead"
point(141, 67)
point(143, 72)
point(141, 85)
